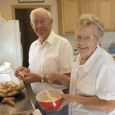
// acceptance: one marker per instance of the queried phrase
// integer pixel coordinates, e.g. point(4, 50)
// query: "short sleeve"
point(105, 83)
point(66, 58)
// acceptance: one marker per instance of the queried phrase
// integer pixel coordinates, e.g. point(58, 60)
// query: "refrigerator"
point(10, 42)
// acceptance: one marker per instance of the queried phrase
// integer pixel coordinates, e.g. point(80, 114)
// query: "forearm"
point(95, 102)
point(32, 77)
point(32, 80)
point(57, 78)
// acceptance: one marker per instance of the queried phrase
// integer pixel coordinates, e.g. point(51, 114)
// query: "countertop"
point(22, 105)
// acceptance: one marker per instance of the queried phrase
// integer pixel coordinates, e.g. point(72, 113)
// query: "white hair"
point(40, 10)
point(89, 19)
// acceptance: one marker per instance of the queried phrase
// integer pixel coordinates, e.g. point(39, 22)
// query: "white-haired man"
point(49, 53)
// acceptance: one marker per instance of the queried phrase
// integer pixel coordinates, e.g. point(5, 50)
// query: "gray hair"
point(92, 19)
point(40, 10)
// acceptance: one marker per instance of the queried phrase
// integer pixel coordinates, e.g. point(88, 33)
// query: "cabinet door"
point(104, 12)
point(72, 9)
point(69, 15)
point(87, 6)
point(113, 15)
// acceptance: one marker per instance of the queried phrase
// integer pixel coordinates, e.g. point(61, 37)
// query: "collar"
point(90, 62)
point(49, 39)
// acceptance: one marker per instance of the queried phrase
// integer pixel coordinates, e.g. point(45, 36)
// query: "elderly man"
point(92, 82)
point(49, 53)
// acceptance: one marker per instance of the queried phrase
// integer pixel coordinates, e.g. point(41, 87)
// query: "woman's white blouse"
point(95, 77)
point(54, 55)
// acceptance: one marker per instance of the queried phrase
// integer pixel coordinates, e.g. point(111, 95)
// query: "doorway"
point(27, 34)
point(22, 14)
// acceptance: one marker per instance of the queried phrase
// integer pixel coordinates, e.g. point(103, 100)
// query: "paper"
point(5, 78)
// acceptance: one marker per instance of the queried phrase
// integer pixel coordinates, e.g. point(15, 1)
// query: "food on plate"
point(9, 100)
point(10, 88)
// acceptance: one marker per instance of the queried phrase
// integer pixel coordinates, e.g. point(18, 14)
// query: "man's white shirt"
point(54, 55)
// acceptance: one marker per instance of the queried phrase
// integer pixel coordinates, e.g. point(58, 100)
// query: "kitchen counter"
point(113, 56)
point(22, 105)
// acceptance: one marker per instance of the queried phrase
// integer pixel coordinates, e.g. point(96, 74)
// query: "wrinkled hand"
point(21, 69)
point(51, 77)
point(31, 77)
point(67, 99)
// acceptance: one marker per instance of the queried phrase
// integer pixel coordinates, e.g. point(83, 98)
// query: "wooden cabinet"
point(87, 6)
point(105, 12)
point(113, 15)
point(70, 10)
point(102, 8)
point(67, 14)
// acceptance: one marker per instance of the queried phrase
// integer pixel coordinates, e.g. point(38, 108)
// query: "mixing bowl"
point(50, 100)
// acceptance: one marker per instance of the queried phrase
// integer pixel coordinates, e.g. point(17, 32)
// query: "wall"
point(108, 40)
point(10, 47)
point(6, 9)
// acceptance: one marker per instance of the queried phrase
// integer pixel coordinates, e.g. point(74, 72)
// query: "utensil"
point(47, 92)
point(30, 94)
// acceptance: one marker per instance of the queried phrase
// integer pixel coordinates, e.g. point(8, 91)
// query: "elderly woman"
point(92, 82)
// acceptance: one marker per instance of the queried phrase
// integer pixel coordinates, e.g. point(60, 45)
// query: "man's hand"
point(51, 77)
point(57, 78)
point(31, 77)
point(21, 70)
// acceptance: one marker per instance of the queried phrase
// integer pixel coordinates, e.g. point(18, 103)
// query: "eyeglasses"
point(85, 37)
point(41, 21)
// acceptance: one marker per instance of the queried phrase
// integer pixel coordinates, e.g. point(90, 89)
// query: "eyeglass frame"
point(85, 38)
point(41, 21)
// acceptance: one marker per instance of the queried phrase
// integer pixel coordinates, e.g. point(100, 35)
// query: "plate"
point(10, 85)
point(10, 88)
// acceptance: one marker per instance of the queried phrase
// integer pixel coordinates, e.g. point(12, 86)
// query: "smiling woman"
point(87, 40)
point(93, 74)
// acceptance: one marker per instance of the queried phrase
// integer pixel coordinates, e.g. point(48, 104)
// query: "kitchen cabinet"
point(87, 6)
point(113, 15)
point(104, 9)
point(70, 10)
point(105, 12)
point(68, 13)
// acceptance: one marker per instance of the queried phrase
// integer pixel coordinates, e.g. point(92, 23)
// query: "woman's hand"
point(67, 99)
point(52, 77)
